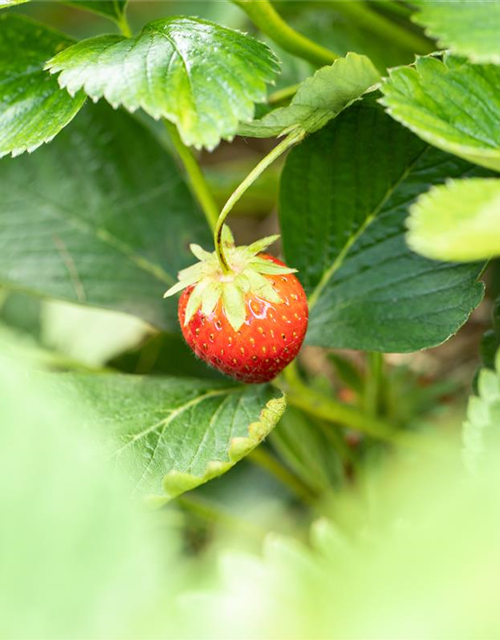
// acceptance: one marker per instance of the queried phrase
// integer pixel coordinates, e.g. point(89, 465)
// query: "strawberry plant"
point(230, 234)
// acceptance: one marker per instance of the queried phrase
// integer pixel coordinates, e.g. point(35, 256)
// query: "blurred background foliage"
point(317, 534)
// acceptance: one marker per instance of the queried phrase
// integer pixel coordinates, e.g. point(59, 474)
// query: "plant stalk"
point(265, 460)
point(327, 408)
point(362, 14)
point(268, 20)
point(197, 180)
point(124, 26)
point(292, 139)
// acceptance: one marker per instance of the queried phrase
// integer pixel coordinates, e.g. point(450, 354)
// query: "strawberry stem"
point(293, 138)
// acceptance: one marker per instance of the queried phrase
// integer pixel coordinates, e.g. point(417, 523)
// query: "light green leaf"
point(112, 9)
point(345, 195)
point(203, 77)
point(467, 27)
point(33, 109)
point(58, 494)
point(458, 221)
point(82, 220)
point(90, 336)
point(5, 4)
point(452, 105)
point(319, 98)
point(481, 433)
point(172, 435)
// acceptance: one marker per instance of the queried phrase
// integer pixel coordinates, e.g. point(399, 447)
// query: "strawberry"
point(249, 323)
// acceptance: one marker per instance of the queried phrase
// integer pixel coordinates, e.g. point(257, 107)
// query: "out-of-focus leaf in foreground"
point(78, 559)
point(482, 427)
point(415, 556)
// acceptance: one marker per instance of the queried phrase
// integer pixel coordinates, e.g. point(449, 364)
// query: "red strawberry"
point(249, 324)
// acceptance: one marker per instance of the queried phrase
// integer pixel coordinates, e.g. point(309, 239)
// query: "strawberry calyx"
point(246, 277)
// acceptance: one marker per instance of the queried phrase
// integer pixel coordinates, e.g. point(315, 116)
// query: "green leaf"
point(173, 434)
point(203, 77)
point(467, 27)
point(452, 105)
point(481, 432)
point(319, 98)
point(112, 9)
point(458, 221)
point(59, 493)
point(33, 109)
point(5, 4)
point(83, 220)
point(345, 194)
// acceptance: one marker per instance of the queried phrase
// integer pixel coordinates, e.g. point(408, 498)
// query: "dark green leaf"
point(112, 9)
point(102, 216)
point(203, 77)
point(173, 434)
point(319, 99)
point(33, 109)
point(466, 27)
point(452, 105)
point(345, 195)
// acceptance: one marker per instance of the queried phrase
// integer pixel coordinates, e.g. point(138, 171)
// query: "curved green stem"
point(197, 180)
point(283, 95)
point(268, 20)
point(379, 25)
point(292, 139)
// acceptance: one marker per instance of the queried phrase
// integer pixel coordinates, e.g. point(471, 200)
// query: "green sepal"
point(212, 284)
point(234, 304)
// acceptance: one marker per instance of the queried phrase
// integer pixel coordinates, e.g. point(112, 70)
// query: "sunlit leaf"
point(452, 105)
point(466, 27)
point(319, 98)
point(457, 221)
point(203, 77)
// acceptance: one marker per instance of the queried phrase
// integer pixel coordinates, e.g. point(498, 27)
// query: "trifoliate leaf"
point(458, 221)
point(319, 98)
point(203, 77)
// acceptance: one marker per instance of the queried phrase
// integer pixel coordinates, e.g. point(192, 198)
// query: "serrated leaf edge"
point(177, 482)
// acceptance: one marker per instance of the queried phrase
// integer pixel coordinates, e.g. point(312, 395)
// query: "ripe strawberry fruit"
point(250, 323)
